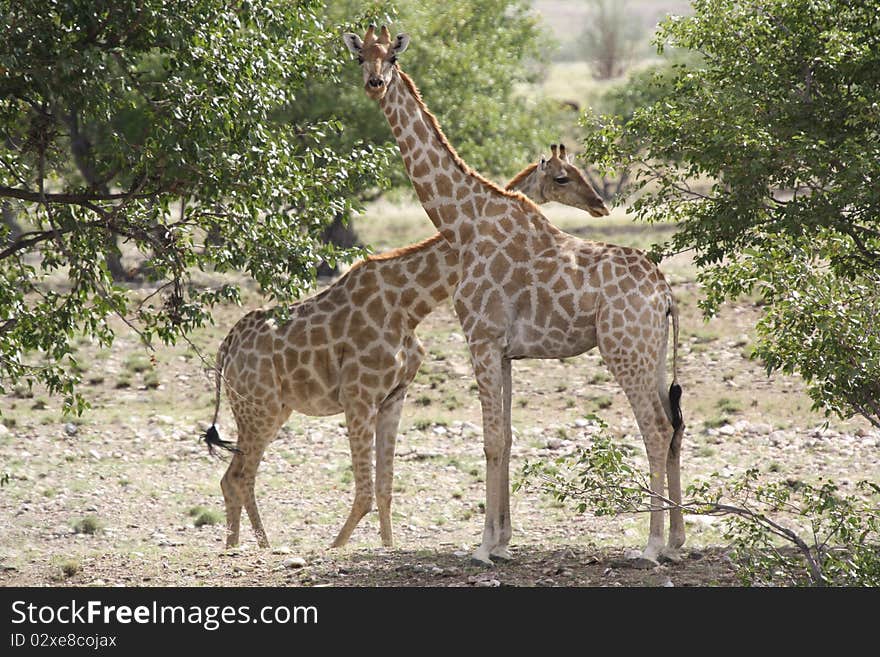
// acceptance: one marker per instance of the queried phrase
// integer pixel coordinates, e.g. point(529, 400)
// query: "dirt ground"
point(114, 498)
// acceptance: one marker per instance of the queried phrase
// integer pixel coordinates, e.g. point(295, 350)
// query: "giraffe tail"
point(212, 436)
point(212, 439)
point(675, 389)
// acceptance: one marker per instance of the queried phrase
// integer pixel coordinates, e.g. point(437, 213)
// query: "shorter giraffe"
point(351, 348)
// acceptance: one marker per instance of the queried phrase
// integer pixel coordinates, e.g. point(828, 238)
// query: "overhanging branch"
point(67, 199)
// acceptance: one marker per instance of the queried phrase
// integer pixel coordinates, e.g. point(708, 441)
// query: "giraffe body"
point(528, 290)
point(351, 348)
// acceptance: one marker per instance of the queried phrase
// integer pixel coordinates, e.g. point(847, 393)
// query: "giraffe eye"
point(393, 60)
point(562, 180)
point(360, 60)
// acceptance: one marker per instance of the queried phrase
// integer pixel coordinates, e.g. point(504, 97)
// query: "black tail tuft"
point(212, 439)
point(675, 403)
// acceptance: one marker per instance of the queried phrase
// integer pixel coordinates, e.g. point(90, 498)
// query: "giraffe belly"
point(532, 341)
point(312, 389)
point(315, 406)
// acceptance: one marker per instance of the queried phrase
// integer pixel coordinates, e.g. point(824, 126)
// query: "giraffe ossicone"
point(529, 290)
point(351, 348)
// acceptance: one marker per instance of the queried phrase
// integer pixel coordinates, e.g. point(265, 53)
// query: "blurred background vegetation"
point(142, 143)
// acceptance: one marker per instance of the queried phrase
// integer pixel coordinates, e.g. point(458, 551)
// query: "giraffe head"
point(377, 57)
point(561, 181)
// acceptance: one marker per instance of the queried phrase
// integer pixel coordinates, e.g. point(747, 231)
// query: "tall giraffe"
point(529, 290)
point(353, 349)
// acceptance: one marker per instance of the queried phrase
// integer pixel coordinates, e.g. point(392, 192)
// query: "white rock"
point(439, 430)
point(581, 423)
point(703, 521)
point(668, 584)
point(4, 430)
point(94, 454)
point(487, 583)
point(294, 562)
point(70, 429)
point(762, 428)
point(726, 430)
point(154, 433)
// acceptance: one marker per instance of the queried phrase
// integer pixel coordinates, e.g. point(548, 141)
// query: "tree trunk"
point(339, 234)
point(81, 148)
point(9, 220)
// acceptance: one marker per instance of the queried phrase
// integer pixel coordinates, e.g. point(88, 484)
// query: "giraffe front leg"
point(501, 552)
point(361, 420)
point(386, 438)
point(487, 362)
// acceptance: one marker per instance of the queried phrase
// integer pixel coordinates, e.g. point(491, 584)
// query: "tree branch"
point(68, 199)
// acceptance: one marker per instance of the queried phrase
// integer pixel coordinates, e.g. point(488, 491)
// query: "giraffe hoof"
point(482, 564)
point(641, 563)
point(672, 555)
point(503, 555)
point(482, 558)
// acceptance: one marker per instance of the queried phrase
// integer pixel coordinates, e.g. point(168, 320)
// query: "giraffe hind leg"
point(639, 385)
point(238, 483)
point(231, 486)
point(673, 476)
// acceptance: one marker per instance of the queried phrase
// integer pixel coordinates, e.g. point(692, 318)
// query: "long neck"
point(528, 181)
point(415, 278)
point(448, 190)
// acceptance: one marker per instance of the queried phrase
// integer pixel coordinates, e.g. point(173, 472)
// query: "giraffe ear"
point(543, 164)
point(400, 43)
point(353, 42)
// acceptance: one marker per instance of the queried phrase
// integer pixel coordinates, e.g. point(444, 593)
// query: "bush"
point(88, 525)
point(779, 532)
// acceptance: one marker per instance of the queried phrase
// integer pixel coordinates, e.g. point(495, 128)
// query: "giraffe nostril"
point(376, 82)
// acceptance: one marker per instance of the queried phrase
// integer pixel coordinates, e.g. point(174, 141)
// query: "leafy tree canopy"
point(766, 151)
point(471, 61)
point(215, 136)
point(158, 123)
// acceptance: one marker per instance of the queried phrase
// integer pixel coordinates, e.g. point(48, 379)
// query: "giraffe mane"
point(405, 250)
point(398, 253)
point(522, 175)
point(456, 158)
